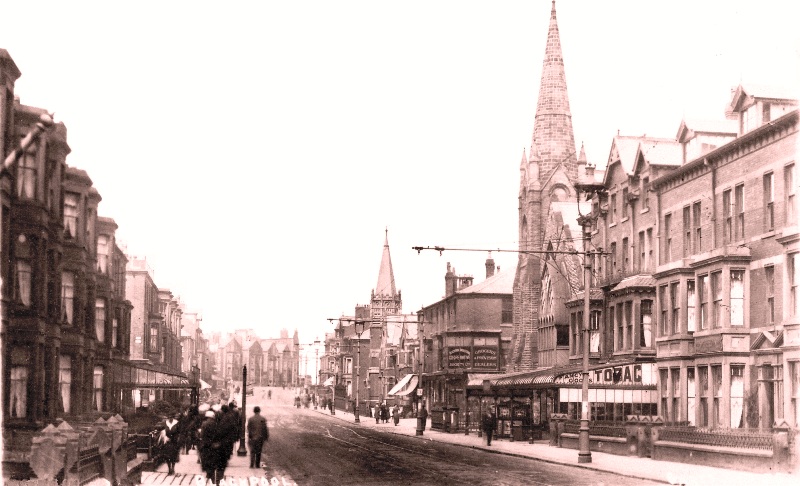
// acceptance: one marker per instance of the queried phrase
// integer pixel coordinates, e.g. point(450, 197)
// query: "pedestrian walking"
point(170, 449)
point(188, 428)
point(210, 446)
point(488, 424)
point(257, 434)
point(384, 413)
point(396, 415)
point(228, 426)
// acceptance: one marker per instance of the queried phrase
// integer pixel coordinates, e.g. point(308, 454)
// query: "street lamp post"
point(584, 451)
point(358, 326)
point(242, 450)
point(422, 414)
point(585, 221)
point(316, 369)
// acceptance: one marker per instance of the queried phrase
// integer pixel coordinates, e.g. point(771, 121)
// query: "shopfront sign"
point(485, 358)
point(629, 374)
point(458, 357)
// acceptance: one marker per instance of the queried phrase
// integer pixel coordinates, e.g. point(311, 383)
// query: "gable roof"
point(747, 92)
point(696, 125)
point(661, 152)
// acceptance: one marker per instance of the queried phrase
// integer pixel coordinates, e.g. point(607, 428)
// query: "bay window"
point(737, 396)
point(702, 372)
point(691, 393)
point(737, 297)
point(67, 297)
point(100, 319)
point(691, 298)
point(702, 282)
point(716, 293)
point(102, 254)
point(716, 390)
point(646, 324)
point(65, 382)
point(676, 309)
point(594, 331)
point(27, 173)
point(70, 215)
point(24, 279)
point(97, 387)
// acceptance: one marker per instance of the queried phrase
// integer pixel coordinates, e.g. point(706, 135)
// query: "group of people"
point(381, 413)
point(212, 431)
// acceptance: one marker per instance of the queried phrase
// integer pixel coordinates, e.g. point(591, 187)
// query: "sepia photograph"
point(353, 242)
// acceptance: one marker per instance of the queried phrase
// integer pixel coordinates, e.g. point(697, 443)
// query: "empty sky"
point(254, 152)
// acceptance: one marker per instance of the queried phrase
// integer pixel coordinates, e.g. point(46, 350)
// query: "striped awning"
point(535, 377)
point(400, 384)
point(409, 388)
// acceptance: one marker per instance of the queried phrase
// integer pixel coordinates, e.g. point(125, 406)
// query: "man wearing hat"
point(210, 446)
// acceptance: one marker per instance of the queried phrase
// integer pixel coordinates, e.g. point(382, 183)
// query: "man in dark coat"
point(228, 426)
point(257, 434)
point(488, 425)
point(210, 446)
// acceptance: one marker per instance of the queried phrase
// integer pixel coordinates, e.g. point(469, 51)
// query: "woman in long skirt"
point(171, 448)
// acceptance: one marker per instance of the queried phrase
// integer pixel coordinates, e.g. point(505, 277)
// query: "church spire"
point(385, 285)
point(553, 137)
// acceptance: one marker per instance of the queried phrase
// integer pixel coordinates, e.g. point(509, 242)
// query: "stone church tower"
point(547, 174)
point(386, 299)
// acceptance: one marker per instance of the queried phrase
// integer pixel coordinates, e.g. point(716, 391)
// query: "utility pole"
point(584, 451)
point(242, 449)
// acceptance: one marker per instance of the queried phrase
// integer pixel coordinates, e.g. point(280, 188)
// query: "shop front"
point(615, 391)
point(137, 386)
point(525, 402)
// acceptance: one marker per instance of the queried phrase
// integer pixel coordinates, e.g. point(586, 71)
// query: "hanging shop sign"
point(629, 374)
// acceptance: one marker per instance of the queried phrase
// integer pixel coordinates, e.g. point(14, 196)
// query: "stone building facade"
point(64, 315)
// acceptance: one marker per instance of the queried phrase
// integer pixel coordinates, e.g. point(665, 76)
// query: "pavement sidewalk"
point(634, 467)
point(188, 469)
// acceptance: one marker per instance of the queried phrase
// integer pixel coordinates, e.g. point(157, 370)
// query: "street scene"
point(311, 446)
point(527, 242)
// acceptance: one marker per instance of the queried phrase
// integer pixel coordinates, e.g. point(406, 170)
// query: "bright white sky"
point(254, 152)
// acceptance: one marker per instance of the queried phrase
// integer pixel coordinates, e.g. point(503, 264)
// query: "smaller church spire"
point(386, 285)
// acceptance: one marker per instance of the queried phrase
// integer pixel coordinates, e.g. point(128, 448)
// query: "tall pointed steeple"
point(385, 285)
point(553, 137)
point(552, 162)
point(386, 299)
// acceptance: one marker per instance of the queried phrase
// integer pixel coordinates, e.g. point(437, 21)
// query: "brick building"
point(65, 319)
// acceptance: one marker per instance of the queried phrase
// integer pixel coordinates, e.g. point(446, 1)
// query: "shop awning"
point(400, 384)
point(204, 385)
point(328, 382)
point(538, 377)
point(409, 388)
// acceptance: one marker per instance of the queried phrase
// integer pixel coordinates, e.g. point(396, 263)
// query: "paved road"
point(308, 448)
